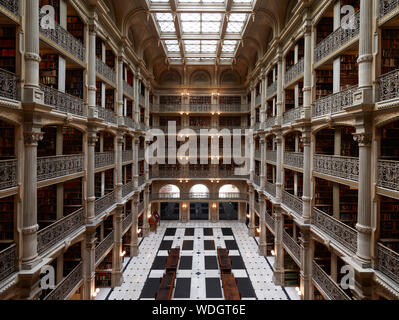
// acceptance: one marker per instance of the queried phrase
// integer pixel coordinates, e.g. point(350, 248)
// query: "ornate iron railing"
point(269, 221)
point(257, 207)
point(328, 285)
point(103, 159)
point(388, 86)
point(8, 85)
point(199, 173)
point(258, 153)
point(142, 100)
point(271, 155)
point(141, 153)
point(129, 122)
point(292, 246)
point(8, 261)
point(334, 228)
point(258, 100)
point(337, 166)
point(65, 40)
point(69, 283)
point(294, 159)
point(388, 174)
point(127, 221)
point(224, 196)
point(59, 230)
point(106, 115)
point(257, 180)
point(293, 202)
point(103, 203)
point(104, 246)
point(388, 262)
point(294, 72)
point(127, 88)
point(141, 180)
point(333, 103)
point(270, 122)
point(271, 90)
point(59, 166)
point(270, 188)
point(200, 108)
point(292, 115)
point(337, 39)
point(387, 6)
point(140, 207)
point(11, 5)
point(127, 155)
point(8, 174)
point(106, 71)
point(127, 188)
point(62, 101)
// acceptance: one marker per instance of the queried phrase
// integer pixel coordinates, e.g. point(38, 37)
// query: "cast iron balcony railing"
point(388, 6)
point(8, 85)
point(104, 246)
point(292, 115)
point(65, 40)
point(141, 153)
point(104, 203)
point(270, 122)
point(129, 122)
point(295, 71)
point(333, 103)
point(337, 39)
point(8, 261)
point(257, 207)
point(258, 100)
point(224, 196)
point(337, 166)
point(335, 229)
point(140, 207)
point(258, 153)
point(293, 202)
point(270, 188)
point(257, 180)
point(330, 288)
point(10, 5)
point(128, 89)
point(106, 114)
point(107, 72)
point(59, 230)
point(388, 174)
point(388, 262)
point(62, 101)
point(59, 166)
point(142, 100)
point(67, 285)
point(8, 174)
point(127, 155)
point(127, 188)
point(271, 155)
point(293, 159)
point(271, 90)
point(104, 159)
point(208, 108)
point(269, 221)
point(127, 221)
point(292, 246)
point(141, 180)
point(388, 86)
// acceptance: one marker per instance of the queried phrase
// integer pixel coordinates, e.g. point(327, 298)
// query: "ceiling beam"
point(176, 19)
point(229, 4)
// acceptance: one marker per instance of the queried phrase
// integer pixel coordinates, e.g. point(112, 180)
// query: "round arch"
point(226, 190)
point(199, 191)
point(169, 191)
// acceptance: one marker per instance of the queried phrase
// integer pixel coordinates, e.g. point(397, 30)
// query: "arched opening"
point(169, 191)
point(228, 191)
point(199, 191)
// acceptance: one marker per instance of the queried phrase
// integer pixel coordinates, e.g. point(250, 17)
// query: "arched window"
point(169, 191)
point(199, 191)
point(227, 190)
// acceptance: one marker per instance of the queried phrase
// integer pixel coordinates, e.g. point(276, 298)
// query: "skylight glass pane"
point(238, 17)
point(164, 16)
point(210, 27)
point(192, 46)
point(190, 16)
point(235, 27)
point(191, 27)
point(167, 26)
point(242, 1)
point(211, 17)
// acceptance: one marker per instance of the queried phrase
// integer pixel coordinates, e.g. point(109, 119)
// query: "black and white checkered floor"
point(198, 274)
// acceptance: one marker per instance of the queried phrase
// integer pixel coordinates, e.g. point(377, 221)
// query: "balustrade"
point(107, 72)
point(8, 85)
point(334, 103)
point(104, 159)
point(59, 166)
point(8, 174)
point(337, 166)
point(62, 101)
point(103, 203)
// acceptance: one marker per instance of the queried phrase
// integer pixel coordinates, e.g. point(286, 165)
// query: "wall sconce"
point(258, 230)
point(138, 231)
point(184, 206)
point(96, 291)
point(273, 253)
point(186, 181)
point(248, 216)
point(123, 253)
point(214, 206)
point(298, 291)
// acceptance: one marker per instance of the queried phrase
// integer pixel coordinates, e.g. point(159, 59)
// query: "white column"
point(117, 265)
point(262, 234)
point(134, 244)
point(337, 61)
point(92, 64)
point(91, 144)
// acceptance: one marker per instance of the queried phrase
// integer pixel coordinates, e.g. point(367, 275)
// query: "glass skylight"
point(193, 33)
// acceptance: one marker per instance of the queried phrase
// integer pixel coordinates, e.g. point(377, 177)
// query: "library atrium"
point(308, 209)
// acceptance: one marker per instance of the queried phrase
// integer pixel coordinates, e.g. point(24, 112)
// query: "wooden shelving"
point(7, 219)
point(7, 141)
point(7, 48)
point(49, 70)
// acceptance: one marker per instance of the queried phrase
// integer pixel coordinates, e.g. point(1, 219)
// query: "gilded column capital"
point(33, 137)
point(363, 139)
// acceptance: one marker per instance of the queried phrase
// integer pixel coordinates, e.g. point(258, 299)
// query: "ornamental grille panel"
point(197, 195)
point(334, 103)
point(326, 284)
point(127, 188)
point(8, 174)
point(388, 262)
point(270, 122)
point(8, 85)
point(106, 114)
point(292, 246)
point(103, 69)
point(62, 101)
point(292, 115)
point(104, 159)
point(388, 174)
point(271, 155)
point(127, 221)
point(128, 89)
point(65, 40)
point(269, 221)
point(104, 246)
point(129, 122)
point(334, 228)
point(59, 230)
point(65, 287)
point(103, 203)
point(141, 180)
point(336, 40)
point(127, 155)
point(10, 5)
point(271, 90)
point(387, 6)
point(271, 188)
point(257, 207)
point(294, 159)
point(258, 100)
point(140, 207)
point(337, 166)
point(388, 86)
point(295, 71)
point(257, 180)
point(59, 166)
point(293, 202)
point(8, 261)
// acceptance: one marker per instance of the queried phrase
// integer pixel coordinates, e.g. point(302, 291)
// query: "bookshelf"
point(289, 60)
point(324, 83)
point(47, 146)
point(389, 223)
point(108, 225)
point(289, 181)
point(126, 239)
point(349, 147)
point(142, 115)
point(348, 205)
point(72, 141)
point(200, 121)
point(98, 93)
point(390, 50)
point(72, 257)
point(390, 141)
point(7, 141)
point(200, 100)
point(46, 205)
point(230, 100)
point(75, 27)
point(323, 257)
point(99, 48)
point(291, 271)
point(72, 196)
point(324, 195)
point(110, 99)
point(110, 58)
point(74, 82)
point(7, 48)
point(109, 181)
point(6, 220)
point(49, 70)
point(349, 71)
point(230, 121)
point(289, 99)
point(170, 100)
point(163, 120)
point(324, 28)
point(325, 142)
point(104, 271)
